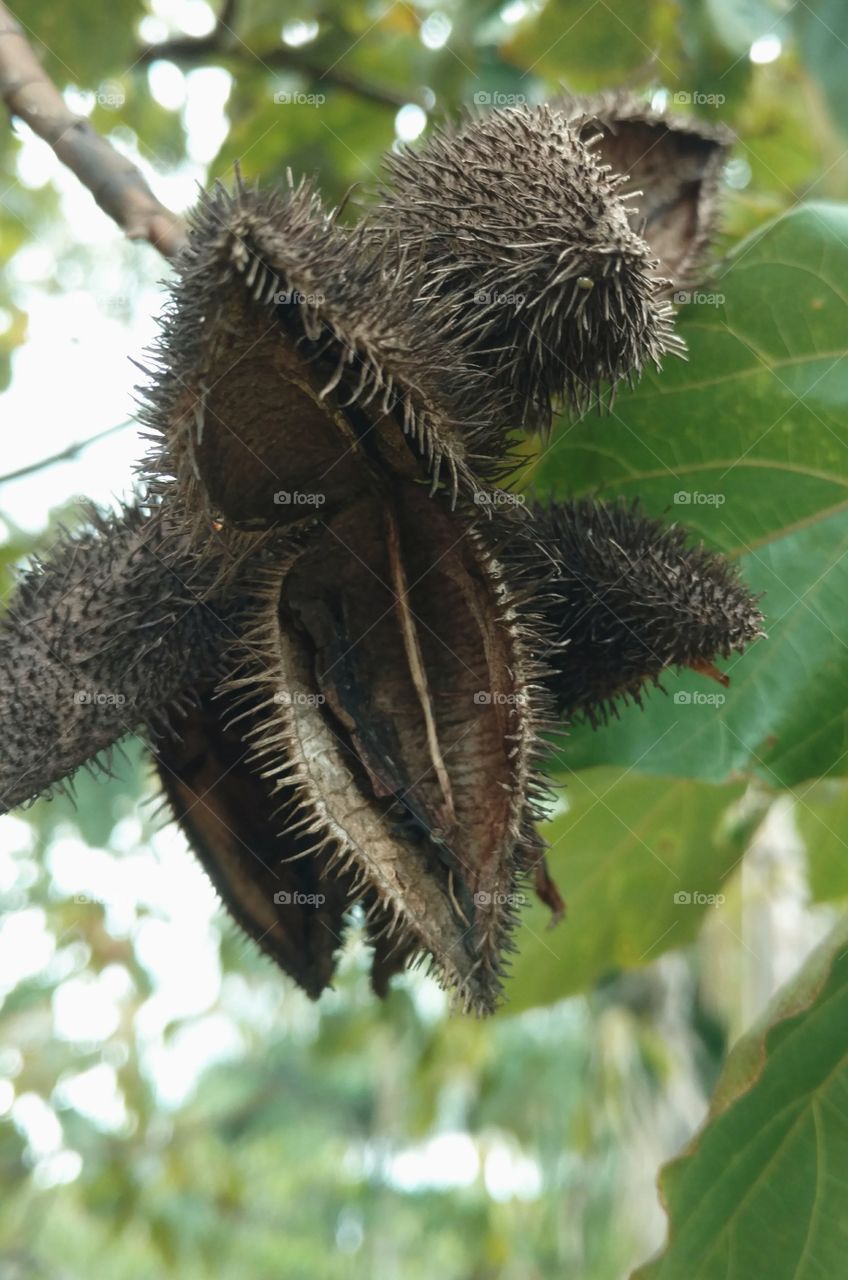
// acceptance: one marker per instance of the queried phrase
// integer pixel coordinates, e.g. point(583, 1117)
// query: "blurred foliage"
point(385, 1140)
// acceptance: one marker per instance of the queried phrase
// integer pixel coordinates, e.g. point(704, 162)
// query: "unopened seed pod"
point(524, 230)
point(623, 598)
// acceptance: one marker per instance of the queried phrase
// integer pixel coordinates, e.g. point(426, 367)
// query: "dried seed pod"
point(250, 844)
point(292, 362)
point(625, 597)
point(393, 708)
point(95, 642)
point(525, 231)
point(672, 163)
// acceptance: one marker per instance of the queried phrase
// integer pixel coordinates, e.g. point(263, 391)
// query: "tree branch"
point(64, 455)
point(116, 183)
point(223, 43)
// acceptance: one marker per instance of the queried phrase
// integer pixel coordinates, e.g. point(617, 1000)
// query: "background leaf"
point(747, 443)
point(623, 852)
point(759, 1191)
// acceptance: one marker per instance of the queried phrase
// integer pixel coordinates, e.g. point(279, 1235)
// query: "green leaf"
point(620, 852)
point(821, 812)
point(569, 41)
point(738, 23)
point(821, 27)
point(760, 1191)
point(748, 445)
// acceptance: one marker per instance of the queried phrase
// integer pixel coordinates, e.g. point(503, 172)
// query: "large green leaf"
point(623, 851)
point(748, 444)
point(760, 1191)
point(752, 429)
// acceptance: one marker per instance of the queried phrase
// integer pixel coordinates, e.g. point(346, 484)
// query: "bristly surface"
point(672, 161)
point(292, 359)
point(393, 709)
point(97, 641)
point(525, 229)
point(344, 673)
point(626, 597)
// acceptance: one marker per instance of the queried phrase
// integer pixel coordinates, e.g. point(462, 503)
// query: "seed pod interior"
point(672, 162)
point(398, 700)
point(292, 352)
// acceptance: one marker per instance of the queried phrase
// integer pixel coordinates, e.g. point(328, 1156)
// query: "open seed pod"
point(525, 231)
point(391, 708)
point(243, 837)
point(623, 598)
point(672, 161)
point(292, 361)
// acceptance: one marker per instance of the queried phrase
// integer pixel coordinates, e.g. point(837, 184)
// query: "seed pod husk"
point(292, 361)
point(96, 641)
point(672, 161)
point(623, 598)
point(524, 230)
point(394, 708)
point(249, 843)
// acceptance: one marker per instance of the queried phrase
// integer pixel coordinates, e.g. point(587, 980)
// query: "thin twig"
point(225, 43)
point(64, 455)
point(115, 182)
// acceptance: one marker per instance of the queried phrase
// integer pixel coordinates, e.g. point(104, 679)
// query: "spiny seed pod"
point(394, 708)
point(98, 641)
point(672, 164)
point(292, 363)
point(626, 598)
point(526, 232)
